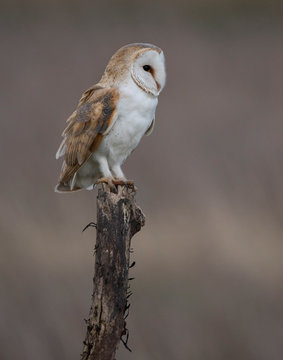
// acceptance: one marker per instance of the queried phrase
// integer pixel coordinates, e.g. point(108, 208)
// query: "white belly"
point(136, 110)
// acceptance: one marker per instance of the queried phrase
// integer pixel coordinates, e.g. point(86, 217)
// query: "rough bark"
point(118, 219)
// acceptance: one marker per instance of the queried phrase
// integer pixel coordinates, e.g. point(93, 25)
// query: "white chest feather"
point(136, 110)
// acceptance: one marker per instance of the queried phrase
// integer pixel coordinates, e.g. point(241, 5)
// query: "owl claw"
point(128, 183)
point(117, 181)
point(114, 183)
point(109, 182)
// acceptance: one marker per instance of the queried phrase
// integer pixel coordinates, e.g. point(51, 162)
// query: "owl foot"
point(109, 182)
point(113, 183)
point(128, 183)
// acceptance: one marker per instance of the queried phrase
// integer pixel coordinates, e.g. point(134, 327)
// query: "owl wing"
point(93, 118)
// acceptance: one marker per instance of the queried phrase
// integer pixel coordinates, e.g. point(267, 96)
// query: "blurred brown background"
point(209, 261)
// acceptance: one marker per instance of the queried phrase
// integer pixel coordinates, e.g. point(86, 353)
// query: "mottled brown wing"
point(95, 113)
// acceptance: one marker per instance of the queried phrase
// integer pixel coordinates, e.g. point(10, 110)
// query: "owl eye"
point(147, 67)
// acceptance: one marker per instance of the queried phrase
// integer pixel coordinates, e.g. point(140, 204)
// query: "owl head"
point(143, 63)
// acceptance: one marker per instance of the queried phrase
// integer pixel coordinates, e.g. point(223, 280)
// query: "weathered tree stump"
point(118, 219)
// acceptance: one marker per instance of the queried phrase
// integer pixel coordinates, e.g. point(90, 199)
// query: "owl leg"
point(106, 177)
point(118, 173)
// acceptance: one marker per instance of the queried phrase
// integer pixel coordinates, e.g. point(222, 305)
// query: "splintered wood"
point(118, 220)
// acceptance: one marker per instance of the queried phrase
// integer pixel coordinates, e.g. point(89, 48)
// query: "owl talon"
point(118, 182)
point(128, 183)
point(109, 182)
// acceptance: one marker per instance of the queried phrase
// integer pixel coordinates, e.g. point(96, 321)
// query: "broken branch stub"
point(118, 220)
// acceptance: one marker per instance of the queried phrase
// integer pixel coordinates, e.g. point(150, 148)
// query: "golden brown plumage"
point(86, 127)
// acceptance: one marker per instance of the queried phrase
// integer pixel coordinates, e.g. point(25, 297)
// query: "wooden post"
point(118, 219)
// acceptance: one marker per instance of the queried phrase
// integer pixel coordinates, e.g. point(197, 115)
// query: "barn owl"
point(111, 118)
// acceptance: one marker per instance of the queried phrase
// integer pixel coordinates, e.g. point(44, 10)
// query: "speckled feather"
point(86, 127)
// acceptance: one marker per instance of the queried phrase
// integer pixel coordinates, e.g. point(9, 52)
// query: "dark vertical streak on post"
point(118, 219)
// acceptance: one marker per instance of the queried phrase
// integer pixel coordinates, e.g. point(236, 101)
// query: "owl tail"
point(64, 188)
point(74, 184)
